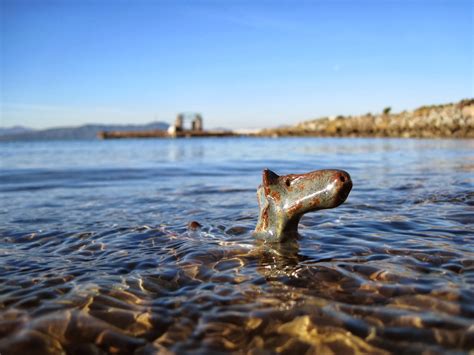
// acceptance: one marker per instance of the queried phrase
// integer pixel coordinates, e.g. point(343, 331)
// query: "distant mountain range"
point(88, 131)
point(14, 130)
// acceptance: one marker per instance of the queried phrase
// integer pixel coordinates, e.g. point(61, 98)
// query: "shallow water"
point(95, 255)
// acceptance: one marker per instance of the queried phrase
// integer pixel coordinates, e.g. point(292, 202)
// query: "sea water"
point(95, 255)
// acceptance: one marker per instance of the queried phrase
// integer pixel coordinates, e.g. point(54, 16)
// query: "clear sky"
point(241, 64)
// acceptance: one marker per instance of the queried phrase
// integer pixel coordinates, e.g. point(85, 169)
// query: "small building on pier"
point(181, 119)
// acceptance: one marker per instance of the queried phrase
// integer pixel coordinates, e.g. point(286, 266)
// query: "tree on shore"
point(387, 110)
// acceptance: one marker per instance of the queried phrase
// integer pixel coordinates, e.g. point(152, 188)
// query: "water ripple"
point(96, 257)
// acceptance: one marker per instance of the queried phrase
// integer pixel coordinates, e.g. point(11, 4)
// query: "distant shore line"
point(453, 120)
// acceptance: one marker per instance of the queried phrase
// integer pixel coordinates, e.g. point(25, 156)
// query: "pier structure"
point(186, 125)
point(197, 124)
point(194, 118)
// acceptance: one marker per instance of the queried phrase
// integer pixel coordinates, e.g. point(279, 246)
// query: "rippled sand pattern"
point(390, 271)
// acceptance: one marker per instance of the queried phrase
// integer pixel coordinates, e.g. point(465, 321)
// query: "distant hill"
point(14, 130)
point(88, 131)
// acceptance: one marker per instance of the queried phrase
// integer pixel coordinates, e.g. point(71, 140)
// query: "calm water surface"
point(95, 256)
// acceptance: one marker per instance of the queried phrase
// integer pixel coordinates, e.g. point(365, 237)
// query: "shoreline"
point(453, 120)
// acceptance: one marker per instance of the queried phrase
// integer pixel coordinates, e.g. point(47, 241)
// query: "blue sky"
point(241, 64)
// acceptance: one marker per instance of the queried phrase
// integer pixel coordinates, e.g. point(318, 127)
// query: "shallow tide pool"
point(95, 255)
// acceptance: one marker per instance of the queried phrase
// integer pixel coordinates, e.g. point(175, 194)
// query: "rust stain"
point(315, 203)
point(265, 218)
point(267, 189)
point(295, 208)
point(275, 195)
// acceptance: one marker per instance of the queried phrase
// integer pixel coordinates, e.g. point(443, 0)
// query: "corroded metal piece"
point(283, 200)
point(194, 226)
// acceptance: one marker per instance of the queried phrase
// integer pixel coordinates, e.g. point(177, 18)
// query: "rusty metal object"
point(194, 226)
point(283, 200)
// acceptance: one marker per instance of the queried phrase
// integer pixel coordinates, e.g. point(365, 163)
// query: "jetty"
point(178, 130)
point(164, 134)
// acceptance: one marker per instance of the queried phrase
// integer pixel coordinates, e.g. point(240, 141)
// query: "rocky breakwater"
point(454, 120)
